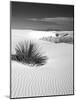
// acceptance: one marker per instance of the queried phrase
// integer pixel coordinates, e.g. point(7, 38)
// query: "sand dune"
point(54, 78)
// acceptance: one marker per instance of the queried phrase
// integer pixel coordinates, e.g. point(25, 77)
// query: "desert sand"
point(53, 78)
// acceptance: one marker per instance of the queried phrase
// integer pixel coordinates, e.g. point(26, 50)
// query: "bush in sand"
point(28, 53)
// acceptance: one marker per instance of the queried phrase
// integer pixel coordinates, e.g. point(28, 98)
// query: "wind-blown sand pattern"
point(53, 78)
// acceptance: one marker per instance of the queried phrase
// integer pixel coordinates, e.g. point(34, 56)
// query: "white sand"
point(54, 78)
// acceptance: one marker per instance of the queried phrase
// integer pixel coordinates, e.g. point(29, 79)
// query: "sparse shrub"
point(27, 52)
point(57, 35)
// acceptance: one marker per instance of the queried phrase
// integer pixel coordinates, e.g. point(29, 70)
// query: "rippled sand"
point(54, 78)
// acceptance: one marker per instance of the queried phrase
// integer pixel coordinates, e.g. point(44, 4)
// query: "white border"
point(5, 49)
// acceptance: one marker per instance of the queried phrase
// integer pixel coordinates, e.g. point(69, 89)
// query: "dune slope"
point(54, 78)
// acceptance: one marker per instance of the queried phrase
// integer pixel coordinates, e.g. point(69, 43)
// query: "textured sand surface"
point(54, 78)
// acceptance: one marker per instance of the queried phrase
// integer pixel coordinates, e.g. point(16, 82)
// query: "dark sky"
point(39, 16)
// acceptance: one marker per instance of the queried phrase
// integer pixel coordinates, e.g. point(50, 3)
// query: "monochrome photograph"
point(42, 49)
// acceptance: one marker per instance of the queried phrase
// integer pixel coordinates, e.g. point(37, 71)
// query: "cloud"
point(63, 23)
point(45, 24)
point(58, 19)
point(52, 19)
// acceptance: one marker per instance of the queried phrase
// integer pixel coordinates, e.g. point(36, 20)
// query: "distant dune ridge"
point(64, 37)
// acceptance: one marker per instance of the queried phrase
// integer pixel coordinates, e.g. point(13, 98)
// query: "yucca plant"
point(27, 53)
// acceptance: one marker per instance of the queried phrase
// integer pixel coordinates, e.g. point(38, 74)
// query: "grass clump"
point(27, 53)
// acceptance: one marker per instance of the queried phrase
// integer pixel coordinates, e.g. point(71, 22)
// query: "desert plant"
point(27, 52)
